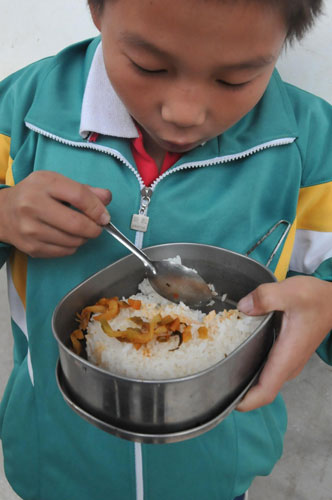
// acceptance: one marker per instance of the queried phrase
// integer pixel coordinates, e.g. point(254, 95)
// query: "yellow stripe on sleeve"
point(314, 210)
point(9, 180)
point(4, 156)
point(283, 263)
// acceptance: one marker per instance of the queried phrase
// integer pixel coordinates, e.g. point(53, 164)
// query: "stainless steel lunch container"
point(163, 410)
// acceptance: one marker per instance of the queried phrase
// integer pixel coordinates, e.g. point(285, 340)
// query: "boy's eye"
point(233, 86)
point(146, 70)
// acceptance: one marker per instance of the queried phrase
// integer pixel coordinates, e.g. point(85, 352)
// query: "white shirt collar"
point(102, 110)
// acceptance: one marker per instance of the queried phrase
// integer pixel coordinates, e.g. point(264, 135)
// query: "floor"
point(303, 473)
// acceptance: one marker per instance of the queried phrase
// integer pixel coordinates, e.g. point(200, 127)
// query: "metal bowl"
point(163, 407)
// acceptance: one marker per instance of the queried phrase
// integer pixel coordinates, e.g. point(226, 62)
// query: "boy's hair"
point(299, 14)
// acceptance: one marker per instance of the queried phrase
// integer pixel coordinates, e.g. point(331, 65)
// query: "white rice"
point(154, 360)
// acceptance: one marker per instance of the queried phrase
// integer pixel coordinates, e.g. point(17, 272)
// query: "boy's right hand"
point(35, 217)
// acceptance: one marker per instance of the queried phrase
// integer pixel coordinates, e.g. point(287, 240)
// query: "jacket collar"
point(102, 110)
point(75, 97)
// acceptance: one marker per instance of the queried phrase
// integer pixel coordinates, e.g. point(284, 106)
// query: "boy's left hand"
point(307, 306)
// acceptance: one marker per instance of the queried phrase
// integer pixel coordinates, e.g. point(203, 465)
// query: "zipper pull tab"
point(140, 221)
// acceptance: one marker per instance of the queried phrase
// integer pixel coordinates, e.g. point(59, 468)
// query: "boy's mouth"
point(179, 147)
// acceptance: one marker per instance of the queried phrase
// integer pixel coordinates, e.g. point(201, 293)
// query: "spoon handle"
point(111, 229)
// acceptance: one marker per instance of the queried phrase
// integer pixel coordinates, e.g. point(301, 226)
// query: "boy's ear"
point(95, 14)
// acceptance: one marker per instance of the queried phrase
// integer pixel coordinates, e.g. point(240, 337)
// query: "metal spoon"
point(175, 282)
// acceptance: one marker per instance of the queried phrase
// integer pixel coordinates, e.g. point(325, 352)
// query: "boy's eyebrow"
point(256, 62)
point(138, 41)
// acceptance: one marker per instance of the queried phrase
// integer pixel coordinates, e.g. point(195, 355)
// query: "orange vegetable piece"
point(175, 325)
point(161, 330)
point(77, 334)
point(186, 334)
point(135, 304)
point(95, 309)
point(166, 320)
point(74, 337)
point(84, 319)
point(203, 332)
point(111, 312)
point(156, 319)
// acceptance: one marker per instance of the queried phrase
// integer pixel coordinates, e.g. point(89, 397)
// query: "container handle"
point(276, 248)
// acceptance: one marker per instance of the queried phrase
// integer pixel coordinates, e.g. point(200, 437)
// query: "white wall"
point(31, 29)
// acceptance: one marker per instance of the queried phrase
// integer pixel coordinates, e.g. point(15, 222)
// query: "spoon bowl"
point(170, 279)
point(179, 283)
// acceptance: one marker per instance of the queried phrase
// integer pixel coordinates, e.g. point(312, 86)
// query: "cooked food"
point(148, 337)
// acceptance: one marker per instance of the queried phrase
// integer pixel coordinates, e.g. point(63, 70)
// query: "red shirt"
point(146, 165)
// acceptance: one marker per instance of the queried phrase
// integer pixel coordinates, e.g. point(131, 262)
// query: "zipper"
point(139, 471)
point(146, 193)
point(140, 221)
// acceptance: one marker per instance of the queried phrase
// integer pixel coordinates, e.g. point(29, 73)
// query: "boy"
point(181, 97)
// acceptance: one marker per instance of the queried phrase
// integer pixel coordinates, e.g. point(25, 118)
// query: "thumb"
point(264, 299)
point(104, 195)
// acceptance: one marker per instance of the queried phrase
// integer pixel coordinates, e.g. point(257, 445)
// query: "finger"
point(67, 220)
point(264, 299)
point(48, 251)
point(282, 365)
point(79, 196)
point(104, 195)
point(263, 393)
point(46, 234)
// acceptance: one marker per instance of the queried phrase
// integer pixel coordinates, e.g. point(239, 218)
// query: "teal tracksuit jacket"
point(276, 163)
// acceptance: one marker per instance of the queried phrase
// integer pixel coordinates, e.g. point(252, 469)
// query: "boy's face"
point(188, 70)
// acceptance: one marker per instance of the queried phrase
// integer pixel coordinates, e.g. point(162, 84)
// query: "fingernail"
point(246, 304)
point(105, 218)
point(109, 195)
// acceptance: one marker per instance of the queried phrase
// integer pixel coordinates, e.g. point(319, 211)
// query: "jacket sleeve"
point(312, 251)
point(17, 92)
point(6, 160)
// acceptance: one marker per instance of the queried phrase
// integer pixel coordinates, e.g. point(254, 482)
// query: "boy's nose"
point(183, 113)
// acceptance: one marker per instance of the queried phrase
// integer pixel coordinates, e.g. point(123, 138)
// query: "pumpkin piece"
point(186, 334)
point(203, 332)
point(135, 304)
point(166, 320)
point(156, 319)
point(175, 325)
point(161, 330)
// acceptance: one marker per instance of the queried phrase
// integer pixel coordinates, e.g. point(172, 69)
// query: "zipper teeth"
point(85, 145)
point(225, 159)
point(203, 163)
